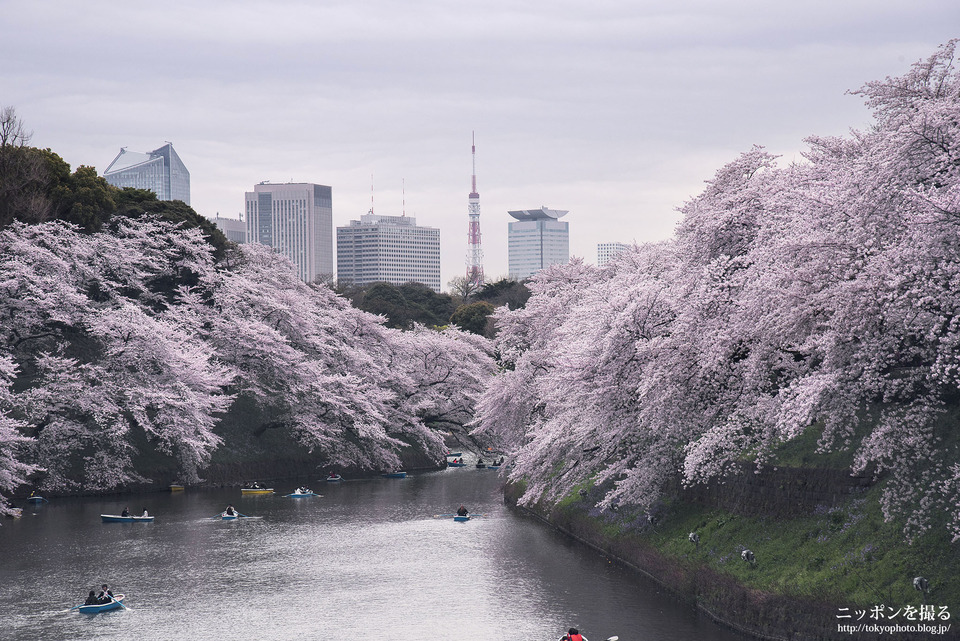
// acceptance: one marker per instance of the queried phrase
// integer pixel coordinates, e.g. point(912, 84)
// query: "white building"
point(388, 249)
point(161, 171)
point(296, 219)
point(608, 251)
point(536, 240)
point(233, 228)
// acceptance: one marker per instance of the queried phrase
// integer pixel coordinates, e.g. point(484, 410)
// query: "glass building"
point(161, 171)
point(296, 219)
point(388, 249)
point(537, 239)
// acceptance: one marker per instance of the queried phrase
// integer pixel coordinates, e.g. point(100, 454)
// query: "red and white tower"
point(474, 251)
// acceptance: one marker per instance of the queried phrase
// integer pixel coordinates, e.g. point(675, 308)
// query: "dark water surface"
point(367, 560)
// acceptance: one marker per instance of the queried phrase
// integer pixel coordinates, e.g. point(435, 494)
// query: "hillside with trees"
point(131, 327)
point(814, 301)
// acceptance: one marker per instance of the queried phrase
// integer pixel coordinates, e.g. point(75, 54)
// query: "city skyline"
point(618, 112)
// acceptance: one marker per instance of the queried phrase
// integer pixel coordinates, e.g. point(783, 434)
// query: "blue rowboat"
point(454, 454)
point(394, 475)
point(461, 519)
point(116, 604)
point(116, 518)
point(449, 464)
point(300, 495)
point(37, 499)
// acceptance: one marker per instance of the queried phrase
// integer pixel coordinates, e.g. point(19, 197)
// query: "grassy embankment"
point(824, 558)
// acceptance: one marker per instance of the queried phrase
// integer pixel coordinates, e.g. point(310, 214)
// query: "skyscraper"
point(389, 249)
point(161, 171)
point(296, 219)
point(536, 240)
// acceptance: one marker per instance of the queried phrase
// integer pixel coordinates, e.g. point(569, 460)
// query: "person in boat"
point(91, 598)
point(572, 635)
point(126, 512)
point(230, 511)
point(145, 513)
point(462, 511)
point(332, 475)
point(105, 596)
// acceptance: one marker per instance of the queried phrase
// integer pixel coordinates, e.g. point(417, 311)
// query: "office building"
point(537, 239)
point(161, 171)
point(608, 251)
point(233, 228)
point(296, 219)
point(390, 249)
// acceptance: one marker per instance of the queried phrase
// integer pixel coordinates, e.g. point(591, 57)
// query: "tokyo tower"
point(474, 251)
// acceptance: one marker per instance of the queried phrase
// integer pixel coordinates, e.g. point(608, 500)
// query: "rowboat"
point(229, 517)
point(394, 475)
point(176, 487)
point(117, 603)
point(454, 454)
point(300, 495)
point(37, 499)
point(256, 490)
point(481, 465)
point(461, 519)
point(333, 478)
point(116, 518)
point(449, 464)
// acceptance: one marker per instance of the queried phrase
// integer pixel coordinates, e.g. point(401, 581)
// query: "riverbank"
point(245, 455)
point(813, 563)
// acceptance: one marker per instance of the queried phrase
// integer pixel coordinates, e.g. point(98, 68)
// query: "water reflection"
point(365, 561)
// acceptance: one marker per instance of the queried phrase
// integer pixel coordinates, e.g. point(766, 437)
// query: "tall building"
point(536, 240)
point(233, 228)
point(608, 251)
point(161, 171)
point(296, 219)
point(389, 249)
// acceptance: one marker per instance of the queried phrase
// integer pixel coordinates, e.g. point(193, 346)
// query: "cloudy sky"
point(616, 110)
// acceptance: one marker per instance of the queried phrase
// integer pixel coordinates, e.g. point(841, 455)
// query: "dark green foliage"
point(89, 199)
point(402, 305)
point(514, 294)
point(473, 317)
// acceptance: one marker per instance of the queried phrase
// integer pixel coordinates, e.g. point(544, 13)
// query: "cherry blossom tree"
point(820, 294)
point(86, 322)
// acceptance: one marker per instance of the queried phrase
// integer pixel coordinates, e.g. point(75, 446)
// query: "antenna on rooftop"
point(403, 197)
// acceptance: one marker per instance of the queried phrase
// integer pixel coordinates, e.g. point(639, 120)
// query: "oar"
point(438, 516)
point(120, 603)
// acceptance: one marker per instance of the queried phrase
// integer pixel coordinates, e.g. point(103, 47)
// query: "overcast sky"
point(617, 111)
